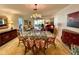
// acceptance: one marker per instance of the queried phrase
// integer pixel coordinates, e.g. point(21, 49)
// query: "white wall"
point(61, 17)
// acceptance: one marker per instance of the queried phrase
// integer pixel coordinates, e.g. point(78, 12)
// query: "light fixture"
point(11, 24)
point(36, 15)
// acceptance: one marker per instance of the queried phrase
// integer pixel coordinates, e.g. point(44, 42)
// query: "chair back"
point(37, 43)
point(42, 43)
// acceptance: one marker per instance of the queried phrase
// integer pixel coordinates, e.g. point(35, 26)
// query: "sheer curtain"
point(20, 24)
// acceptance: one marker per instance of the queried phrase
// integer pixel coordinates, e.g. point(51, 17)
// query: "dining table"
point(37, 41)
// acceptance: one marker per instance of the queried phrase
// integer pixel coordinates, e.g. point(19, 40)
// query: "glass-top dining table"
point(37, 41)
point(38, 34)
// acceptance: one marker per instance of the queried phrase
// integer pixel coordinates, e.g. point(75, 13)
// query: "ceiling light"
point(36, 15)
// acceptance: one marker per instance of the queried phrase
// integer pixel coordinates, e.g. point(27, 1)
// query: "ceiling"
point(47, 10)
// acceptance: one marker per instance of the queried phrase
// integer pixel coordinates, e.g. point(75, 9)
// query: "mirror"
point(3, 22)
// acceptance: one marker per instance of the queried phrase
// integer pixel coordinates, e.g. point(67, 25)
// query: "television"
point(73, 19)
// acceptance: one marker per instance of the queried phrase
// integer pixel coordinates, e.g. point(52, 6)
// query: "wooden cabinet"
point(0, 40)
point(70, 37)
point(7, 36)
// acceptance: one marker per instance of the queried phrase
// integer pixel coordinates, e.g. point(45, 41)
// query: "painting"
point(73, 19)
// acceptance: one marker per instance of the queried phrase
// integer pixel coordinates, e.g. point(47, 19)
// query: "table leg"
point(25, 50)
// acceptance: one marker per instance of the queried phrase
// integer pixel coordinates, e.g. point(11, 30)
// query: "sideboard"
point(7, 36)
point(70, 37)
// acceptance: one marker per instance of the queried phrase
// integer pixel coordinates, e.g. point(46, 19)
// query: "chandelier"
point(36, 15)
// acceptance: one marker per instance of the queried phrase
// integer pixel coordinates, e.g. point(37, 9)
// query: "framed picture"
point(73, 19)
point(26, 22)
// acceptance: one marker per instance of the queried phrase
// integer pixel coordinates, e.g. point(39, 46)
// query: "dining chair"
point(43, 45)
point(31, 43)
point(37, 44)
point(21, 38)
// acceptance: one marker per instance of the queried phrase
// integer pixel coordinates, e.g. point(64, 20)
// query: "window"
point(38, 24)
